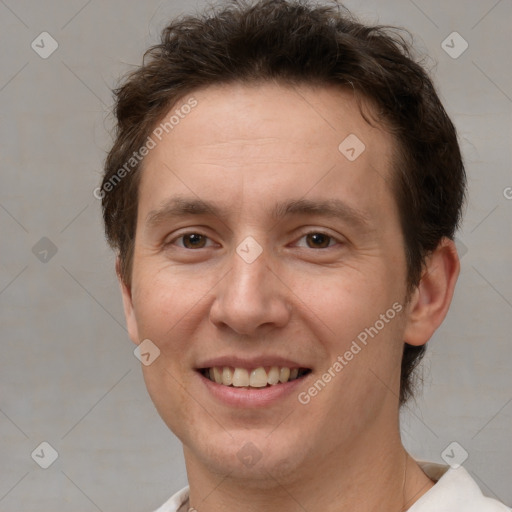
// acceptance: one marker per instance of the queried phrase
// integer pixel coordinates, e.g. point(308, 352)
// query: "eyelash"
point(314, 232)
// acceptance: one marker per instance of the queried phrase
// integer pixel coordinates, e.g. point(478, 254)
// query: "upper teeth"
point(257, 378)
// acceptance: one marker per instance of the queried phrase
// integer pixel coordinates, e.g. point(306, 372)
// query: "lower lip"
point(252, 397)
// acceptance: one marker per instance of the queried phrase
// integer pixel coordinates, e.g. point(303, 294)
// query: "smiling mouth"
point(257, 378)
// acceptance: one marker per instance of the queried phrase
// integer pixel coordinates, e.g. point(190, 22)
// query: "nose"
point(251, 299)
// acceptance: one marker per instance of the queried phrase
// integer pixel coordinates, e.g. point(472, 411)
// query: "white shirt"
point(454, 491)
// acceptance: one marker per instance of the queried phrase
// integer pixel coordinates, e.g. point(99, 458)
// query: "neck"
point(362, 478)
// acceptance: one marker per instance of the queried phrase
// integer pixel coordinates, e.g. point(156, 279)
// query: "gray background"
point(68, 375)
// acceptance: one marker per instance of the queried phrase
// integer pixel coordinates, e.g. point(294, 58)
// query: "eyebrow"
point(181, 206)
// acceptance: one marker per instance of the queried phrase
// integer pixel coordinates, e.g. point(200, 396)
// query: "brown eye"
point(318, 240)
point(190, 240)
point(194, 240)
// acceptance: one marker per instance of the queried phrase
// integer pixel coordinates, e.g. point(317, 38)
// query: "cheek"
point(347, 300)
point(164, 314)
point(169, 397)
point(358, 316)
point(161, 302)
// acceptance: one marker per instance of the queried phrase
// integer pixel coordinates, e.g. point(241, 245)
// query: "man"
point(283, 192)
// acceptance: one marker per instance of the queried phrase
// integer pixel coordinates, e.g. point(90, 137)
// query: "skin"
point(246, 147)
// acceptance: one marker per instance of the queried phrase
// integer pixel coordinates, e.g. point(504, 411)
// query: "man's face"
point(252, 286)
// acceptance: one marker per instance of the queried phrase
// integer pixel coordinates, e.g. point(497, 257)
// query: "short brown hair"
point(296, 43)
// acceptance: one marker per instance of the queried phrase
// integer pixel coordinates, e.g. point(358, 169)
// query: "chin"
point(258, 459)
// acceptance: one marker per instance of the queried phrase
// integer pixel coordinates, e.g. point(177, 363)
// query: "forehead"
point(240, 113)
point(268, 139)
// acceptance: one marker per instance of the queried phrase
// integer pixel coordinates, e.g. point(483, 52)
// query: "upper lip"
point(250, 363)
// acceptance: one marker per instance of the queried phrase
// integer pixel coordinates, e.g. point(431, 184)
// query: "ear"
point(432, 297)
point(129, 314)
